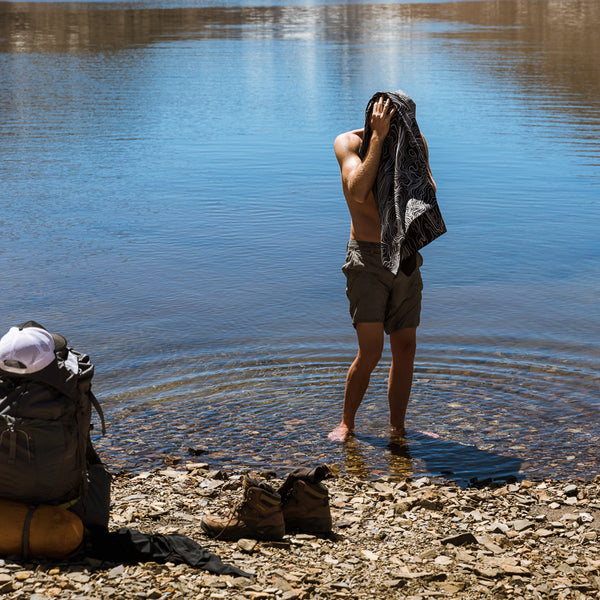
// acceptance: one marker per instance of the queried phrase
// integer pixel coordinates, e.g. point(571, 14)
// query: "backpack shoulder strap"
point(99, 410)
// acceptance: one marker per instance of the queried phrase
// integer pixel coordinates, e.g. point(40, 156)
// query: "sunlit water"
point(171, 203)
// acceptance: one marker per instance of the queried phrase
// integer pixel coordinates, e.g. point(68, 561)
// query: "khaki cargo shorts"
point(376, 295)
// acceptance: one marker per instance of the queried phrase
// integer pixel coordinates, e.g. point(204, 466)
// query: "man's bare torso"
point(365, 224)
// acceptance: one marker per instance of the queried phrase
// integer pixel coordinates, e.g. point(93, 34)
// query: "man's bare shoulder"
point(347, 144)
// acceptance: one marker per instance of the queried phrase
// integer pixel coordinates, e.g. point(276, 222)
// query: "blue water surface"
point(171, 203)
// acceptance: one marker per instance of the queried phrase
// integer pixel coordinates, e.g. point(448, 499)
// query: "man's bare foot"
point(340, 434)
point(397, 432)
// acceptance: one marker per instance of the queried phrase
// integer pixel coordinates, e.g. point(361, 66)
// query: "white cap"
point(26, 350)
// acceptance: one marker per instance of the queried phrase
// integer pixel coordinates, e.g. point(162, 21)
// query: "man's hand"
point(381, 116)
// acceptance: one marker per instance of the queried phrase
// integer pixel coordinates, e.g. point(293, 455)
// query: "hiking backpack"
point(46, 453)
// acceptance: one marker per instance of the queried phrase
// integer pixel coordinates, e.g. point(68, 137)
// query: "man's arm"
point(358, 176)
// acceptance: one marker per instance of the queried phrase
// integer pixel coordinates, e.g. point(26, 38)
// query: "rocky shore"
point(412, 539)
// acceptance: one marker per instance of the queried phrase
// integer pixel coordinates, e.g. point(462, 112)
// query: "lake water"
point(170, 202)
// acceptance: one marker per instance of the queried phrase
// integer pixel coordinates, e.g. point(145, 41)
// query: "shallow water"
point(171, 203)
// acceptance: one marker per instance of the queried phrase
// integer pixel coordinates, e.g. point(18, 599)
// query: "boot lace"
point(236, 509)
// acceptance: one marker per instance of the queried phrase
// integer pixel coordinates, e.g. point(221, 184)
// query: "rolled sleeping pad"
point(42, 531)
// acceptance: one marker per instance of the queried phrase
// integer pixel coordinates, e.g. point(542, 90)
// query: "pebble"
point(247, 545)
point(414, 539)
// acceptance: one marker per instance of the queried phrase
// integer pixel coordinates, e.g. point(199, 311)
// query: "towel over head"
point(404, 191)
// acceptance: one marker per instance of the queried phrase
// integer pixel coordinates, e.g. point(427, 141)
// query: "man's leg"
point(403, 343)
point(370, 346)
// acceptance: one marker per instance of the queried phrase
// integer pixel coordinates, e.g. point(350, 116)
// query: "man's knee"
point(368, 358)
point(403, 342)
point(370, 344)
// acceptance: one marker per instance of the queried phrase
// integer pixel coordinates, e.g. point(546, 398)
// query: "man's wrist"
point(377, 138)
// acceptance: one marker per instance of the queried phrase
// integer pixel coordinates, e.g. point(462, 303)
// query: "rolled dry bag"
point(42, 531)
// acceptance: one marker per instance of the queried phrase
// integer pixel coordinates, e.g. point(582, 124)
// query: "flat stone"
point(509, 569)
point(491, 546)
point(246, 545)
point(544, 532)
point(283, 585)
point(116, 572)
point(489, 573)
point(522, 524)
point(570, 490)
point(498, 527)
point(79, 577)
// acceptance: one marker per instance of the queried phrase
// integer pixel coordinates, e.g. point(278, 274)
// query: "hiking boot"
point(306, 508)
point(258, 516)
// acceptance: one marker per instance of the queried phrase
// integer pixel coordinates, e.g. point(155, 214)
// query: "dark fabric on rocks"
point(130, 546)
point(404, 193)
point(314, 475)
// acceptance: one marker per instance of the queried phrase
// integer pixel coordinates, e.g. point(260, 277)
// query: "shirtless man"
point(379, 301)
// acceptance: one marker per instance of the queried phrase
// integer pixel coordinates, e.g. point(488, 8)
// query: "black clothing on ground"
point(130, 546)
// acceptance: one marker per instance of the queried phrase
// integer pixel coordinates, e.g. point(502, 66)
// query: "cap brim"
point(59, 341)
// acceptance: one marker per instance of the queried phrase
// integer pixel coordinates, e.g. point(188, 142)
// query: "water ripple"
point(490, 414)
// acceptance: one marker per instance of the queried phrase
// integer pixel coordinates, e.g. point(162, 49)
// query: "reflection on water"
point(171, 203)
point(504, 36)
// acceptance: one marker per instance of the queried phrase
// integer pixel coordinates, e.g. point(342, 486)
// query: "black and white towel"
point(404, 192)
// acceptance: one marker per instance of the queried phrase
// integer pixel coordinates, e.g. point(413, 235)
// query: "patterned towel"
point(404, 193)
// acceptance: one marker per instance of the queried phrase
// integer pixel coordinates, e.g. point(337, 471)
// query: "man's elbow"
point(357, 194)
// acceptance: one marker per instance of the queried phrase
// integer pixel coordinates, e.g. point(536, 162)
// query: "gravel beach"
point(411, 539)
